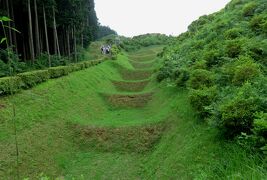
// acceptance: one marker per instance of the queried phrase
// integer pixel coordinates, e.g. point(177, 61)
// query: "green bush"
point(232, 45)
point(4, 69)
point(249, 9)
point(33, 78)
point(183, 77)
point(115, 50)
point(88, 64)
point(237, 112)
point(260, 125)
point(233, 33)
point(234, 48)
point(164, 73)
point(258, 23)
point(257, 49)
point(79, 66)
point(9, 85)
point(245, 70)
point(212, 57)
point(202, 98)
point(56, 72)
point(200, 78)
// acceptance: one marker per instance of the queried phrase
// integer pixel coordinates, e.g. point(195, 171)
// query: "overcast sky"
point(134, 17)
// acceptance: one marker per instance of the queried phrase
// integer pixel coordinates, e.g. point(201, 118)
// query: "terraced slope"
point(113, 121)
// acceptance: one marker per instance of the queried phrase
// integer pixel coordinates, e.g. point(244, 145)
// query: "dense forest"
point(45, 33)
point(222, 60)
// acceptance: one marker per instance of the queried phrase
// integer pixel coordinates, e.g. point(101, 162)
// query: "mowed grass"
point(47, 117)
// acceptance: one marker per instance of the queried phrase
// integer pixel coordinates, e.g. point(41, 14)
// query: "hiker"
point(102, 49)
point(105, 49)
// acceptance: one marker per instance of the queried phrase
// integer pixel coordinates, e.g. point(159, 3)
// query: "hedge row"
point(9, 85)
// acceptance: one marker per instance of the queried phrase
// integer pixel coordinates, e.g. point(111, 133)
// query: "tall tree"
point(37, 34)
point(30, 32)
point(46, 37)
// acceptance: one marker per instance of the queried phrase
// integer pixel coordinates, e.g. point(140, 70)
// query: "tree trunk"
point(68, 41)
point(24, 51)
point(37, 33)
point(13, 25)
point(75, 44)
point(56, 43)
point(30, 32)
point(46, 38)
point(9, 24)
point(82, 40)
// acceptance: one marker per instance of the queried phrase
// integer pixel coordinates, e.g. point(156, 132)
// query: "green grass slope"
point(67, 129)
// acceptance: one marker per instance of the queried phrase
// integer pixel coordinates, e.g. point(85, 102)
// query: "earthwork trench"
point(131, 94)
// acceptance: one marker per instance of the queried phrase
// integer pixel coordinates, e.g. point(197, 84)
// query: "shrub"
point(258, 23)
point(202, 64)
point(249, 9)
point(56, 72)
point(257, 49)
point(88, 64)
point(260, 125)
point(233, 33)
point(245, 70)
point(183, 77)
point(237, 112)
point(202, 98)
point(200, 78)
point(33, 78)
point(10, 85)
point(79, 66)
point(4, 69)
point(164, 73)
point(212, 57)
point(234, 48)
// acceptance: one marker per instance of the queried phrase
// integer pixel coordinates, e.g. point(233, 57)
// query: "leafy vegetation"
point(221, 59)
point(137, 42)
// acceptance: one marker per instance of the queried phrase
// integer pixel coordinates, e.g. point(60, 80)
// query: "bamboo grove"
point(51, 27)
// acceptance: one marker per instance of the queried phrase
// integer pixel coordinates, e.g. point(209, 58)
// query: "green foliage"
point(259, 23)
point(202, 98)
point(105, 31)
point(135, 43)
point(9, 85)
point(233, 33)
point(245, 70)
point(227, 50)
point(115, 50)
point(249, 9)
point(201, 78)
point(212, 57)
point(183, 77)
point(260, 131)
point(260, 125)
point(237, 113)
point(33, 78)
point(56, 72)
point(234, 48)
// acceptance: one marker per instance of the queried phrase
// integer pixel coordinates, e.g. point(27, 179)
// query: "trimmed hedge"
point(33, 78)
point(56, 72)
point(9, 85)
